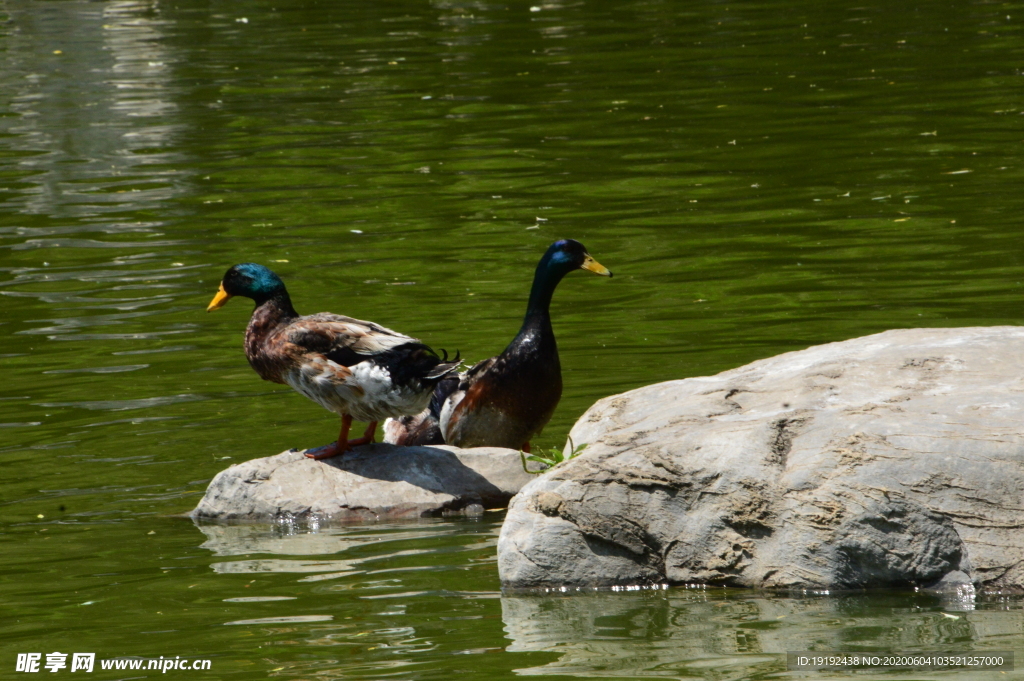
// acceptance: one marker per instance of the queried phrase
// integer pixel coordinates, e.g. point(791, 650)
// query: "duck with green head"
point(357, 369)
point(506, 400)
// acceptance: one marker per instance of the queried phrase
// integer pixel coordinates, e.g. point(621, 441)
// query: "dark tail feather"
point(445, 387)
point(445, 367)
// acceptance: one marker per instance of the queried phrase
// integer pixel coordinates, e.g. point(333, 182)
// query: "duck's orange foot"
point(343, 444)
point(327, 451)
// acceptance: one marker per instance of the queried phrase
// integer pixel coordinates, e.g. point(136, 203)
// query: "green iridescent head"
point(249, 280)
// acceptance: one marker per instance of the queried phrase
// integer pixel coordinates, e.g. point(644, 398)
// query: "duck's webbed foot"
point(343, 444)
point(327, 451)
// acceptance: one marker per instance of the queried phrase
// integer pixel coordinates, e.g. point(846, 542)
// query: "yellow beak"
point(219, 300)
point(594, 266)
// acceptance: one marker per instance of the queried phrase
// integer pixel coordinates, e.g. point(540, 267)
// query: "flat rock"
point(373, 482)
point(891, 460)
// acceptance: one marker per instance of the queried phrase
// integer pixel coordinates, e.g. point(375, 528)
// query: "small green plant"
point(551, 457)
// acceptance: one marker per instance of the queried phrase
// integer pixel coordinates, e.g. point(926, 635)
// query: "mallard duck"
point(506, 400)
point(359, 370)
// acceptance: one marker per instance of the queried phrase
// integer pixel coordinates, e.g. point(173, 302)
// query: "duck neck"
point(538, 316)
point(270, 312)
point(277, 305)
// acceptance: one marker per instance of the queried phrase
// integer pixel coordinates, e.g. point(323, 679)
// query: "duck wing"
point(361, 368)
point(343, 340)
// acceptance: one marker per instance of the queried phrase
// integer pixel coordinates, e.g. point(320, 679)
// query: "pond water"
point(760, 177)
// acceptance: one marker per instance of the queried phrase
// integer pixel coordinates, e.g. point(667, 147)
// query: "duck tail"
point(444, 388)
point(444, 367)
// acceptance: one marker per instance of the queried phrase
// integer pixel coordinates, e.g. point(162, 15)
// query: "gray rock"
point(369, 483)
point(894, 459)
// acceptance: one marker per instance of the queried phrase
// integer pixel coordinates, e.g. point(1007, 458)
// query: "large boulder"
point(891, 460)
point(368, 483)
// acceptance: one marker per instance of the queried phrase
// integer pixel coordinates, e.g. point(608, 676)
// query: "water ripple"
point(122, 405)
point(99, 370)
point(90, 243)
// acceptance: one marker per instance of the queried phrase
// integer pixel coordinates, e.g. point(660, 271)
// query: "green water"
point(760, 177)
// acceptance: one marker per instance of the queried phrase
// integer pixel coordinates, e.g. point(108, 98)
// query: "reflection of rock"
point(895, 459)
point(332, 568)
point(280, 539)
point(304, 547)
point(369, 483)
point(680, 633)
point(284, 539)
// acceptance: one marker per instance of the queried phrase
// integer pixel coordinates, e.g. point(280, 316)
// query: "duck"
point(505, 400)
point(357, 369)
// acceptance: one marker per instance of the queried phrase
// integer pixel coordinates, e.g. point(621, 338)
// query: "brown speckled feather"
point(346, 365)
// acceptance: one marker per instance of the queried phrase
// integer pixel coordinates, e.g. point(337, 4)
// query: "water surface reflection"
point(700, 633)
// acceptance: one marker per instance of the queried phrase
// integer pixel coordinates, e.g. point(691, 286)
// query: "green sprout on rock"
point(551, 457)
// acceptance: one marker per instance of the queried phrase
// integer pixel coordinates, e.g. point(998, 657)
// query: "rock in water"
point(890, 460)
point(367, 483)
